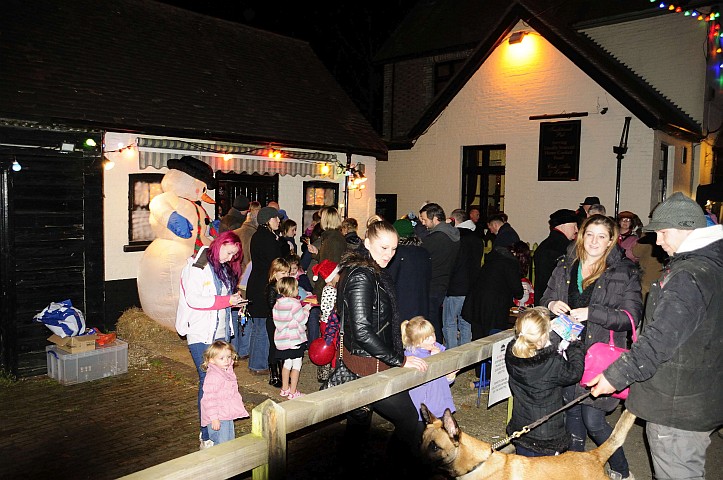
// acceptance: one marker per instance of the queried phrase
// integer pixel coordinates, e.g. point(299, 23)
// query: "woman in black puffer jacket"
point(372, 328)
point(595, 284)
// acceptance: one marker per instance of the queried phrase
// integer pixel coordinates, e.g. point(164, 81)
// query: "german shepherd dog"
point(459, 455)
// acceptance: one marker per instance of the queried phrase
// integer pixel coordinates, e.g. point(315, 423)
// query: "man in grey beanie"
point(675, 369)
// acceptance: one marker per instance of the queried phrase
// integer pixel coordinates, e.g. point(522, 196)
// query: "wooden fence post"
point(269, 421)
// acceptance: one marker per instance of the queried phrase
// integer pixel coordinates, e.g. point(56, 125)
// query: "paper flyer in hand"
point(566, 328)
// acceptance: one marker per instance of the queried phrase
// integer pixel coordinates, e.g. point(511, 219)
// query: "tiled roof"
point(146, 67)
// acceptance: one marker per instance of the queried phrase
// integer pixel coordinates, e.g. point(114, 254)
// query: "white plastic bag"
point(62, 319)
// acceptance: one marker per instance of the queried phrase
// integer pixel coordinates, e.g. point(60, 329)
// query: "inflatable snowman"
point(181, 226)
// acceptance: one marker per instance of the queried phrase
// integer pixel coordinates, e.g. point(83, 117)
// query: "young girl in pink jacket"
point(290, 319)
point(221, 402)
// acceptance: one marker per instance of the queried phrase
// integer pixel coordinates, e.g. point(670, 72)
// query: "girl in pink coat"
point(221, 402)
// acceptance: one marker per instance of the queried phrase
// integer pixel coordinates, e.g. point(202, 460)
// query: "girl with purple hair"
point(208, 291)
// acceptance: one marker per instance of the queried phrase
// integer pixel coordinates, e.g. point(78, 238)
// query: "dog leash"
point(526, 429)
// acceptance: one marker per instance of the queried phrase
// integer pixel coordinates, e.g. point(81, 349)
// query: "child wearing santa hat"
point(329, 271)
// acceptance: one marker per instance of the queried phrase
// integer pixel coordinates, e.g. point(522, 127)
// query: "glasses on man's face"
point(624, 220)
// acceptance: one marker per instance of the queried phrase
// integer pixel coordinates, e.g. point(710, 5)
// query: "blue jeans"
point(312, 326)
point(197, 350)
point(259, 348)
point(223, 434)
point(242, 339)
point(452, 321)
point(435, 313)
point(584, 420)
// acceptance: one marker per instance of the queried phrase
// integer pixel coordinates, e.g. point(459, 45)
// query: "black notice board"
point(387, 206)
point(559, 151)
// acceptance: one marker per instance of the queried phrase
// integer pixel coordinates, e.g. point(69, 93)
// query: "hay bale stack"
point(146, 338)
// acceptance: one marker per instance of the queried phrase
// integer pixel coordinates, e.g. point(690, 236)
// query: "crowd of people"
point(423, 283)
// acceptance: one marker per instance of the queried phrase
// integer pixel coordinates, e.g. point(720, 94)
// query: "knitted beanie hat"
point(266, 214)
point(561, 217)
point(679, 212)
point(404, 227)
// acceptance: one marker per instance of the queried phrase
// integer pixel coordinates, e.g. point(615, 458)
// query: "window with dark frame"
point(483, 178)
point(443, 73)
point(142, 188)
point(318, 194)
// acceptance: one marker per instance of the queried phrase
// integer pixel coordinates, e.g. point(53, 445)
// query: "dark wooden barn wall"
point(55, 239)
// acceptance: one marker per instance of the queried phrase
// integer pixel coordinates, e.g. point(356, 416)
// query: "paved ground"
point(115, 426)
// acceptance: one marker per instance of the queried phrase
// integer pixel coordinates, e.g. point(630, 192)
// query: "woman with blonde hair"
point(372, 335)
point(333, 243)
point(538, 372)
point(597, 286)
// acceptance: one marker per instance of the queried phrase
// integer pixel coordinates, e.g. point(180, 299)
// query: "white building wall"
point(124, 265)
point(674, 64)
point(494, 108)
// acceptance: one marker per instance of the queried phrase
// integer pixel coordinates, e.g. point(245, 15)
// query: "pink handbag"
point(600, 355)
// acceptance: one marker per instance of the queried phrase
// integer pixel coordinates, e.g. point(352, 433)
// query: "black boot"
point(275, 374)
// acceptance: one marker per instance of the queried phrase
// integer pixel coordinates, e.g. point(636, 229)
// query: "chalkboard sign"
point(387, 206)
point(559, 151)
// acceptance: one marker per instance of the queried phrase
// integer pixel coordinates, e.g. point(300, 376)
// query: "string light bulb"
point(16, 166)
point(108, 164)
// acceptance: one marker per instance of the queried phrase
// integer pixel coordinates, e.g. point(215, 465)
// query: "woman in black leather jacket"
point(372, 328)
point(595, 284)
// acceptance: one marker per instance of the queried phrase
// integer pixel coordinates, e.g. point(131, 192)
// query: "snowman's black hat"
point(195, 168)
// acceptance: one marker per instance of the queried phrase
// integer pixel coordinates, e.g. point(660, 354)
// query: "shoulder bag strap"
point(632, 323)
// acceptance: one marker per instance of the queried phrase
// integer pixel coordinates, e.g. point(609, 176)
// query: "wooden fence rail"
point(264, 450)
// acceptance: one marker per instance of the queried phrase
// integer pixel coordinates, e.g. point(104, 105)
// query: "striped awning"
point(238, 158)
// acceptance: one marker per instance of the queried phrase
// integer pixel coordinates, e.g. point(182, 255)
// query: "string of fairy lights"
point(711, 18)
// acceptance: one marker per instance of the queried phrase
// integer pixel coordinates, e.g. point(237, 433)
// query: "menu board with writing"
point(559, 151)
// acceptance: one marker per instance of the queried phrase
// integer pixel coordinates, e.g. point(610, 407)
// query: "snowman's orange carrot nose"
point(207, 199)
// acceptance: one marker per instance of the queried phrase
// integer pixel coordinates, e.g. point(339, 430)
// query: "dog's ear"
point(450, 425)
point(427, 416)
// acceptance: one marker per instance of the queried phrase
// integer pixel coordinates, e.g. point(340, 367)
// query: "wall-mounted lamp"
point(517, 37)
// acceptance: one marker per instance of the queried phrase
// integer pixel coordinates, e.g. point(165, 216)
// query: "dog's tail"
point(617, 438)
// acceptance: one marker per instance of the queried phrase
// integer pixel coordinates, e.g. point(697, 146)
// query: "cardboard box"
point(83, 343)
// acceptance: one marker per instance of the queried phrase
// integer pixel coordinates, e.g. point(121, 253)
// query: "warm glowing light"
point(523, 52)
point(517, 37)
point(227, 157)
point(275, 154)
point(108, 164)
point(128, 152)
point(678, 9)
point(671, 7)
point(718, 50)
point(325, 169)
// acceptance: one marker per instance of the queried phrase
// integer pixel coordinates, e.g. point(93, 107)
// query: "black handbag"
point(339, 376)
point(341, 373)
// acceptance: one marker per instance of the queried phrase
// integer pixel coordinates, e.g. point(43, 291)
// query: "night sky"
point(345, 35)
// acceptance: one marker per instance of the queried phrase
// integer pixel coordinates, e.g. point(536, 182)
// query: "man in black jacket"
point(465, 271)
point(442, 243)
point(563, 230)
point(675, 369)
